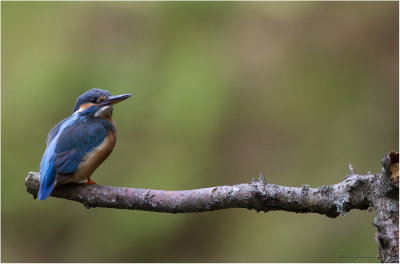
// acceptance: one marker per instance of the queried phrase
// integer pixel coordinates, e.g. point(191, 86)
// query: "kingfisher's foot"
point(89, 181)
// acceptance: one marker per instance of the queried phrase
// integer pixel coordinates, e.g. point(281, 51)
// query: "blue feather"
point(47, 168)
point(78, 140)
point(54, 131)
point(47, 177)
point(68, 143)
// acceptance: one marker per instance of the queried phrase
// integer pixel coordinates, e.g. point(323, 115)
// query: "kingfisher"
point(77, 145)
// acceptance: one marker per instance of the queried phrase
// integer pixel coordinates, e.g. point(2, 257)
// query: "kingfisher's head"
point(97, 102)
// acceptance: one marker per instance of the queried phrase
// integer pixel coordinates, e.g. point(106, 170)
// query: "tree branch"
point(385, 201)
point(354, 192)
point(258, 195)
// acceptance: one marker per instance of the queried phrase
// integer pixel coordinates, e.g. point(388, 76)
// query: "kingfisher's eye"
point(93, 100)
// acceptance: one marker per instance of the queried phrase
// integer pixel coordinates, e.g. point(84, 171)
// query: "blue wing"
point(47, 169)
point(75, 142)
point(68, 142)
point(54, 131)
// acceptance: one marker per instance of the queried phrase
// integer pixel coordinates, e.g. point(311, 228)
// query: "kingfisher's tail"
point(45, 191)
point(47, 181)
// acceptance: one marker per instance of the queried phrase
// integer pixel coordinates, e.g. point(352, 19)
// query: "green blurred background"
point(222, 92)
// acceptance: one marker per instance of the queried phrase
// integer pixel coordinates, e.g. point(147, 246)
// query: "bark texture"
point(385, 201)
point(355, 192)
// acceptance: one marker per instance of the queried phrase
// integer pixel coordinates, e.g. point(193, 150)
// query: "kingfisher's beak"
point(115, 99)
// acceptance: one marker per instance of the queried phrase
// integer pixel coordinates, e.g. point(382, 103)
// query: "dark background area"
point(222, 92)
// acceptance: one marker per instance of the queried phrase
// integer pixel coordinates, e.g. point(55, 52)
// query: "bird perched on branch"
point(80, 143)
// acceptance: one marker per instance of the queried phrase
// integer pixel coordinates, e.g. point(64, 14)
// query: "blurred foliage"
point(222, 92)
